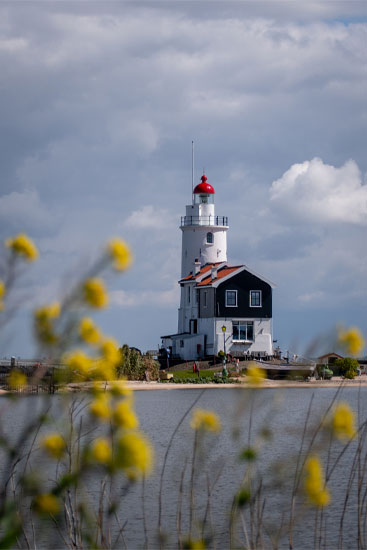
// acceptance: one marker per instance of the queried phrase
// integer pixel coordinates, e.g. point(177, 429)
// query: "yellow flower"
point(17, 379)
point(124, 417)
point(120, 254)
point(101, 451)
point(351, 340)
point(100, 407)
point(104, 371)
point(134, 454)
point(108, 361)
point(24, 246)
point(2, 294)
point(343, 422)
point(79, 363)
point(255, 375)
point(88, 331)
point(54, 444)
point(191, 544)
point(110, 351)
point(119, 388)
point(205, 420)
point(94, 293)
point(47, 503)
point(44, 319)
point(316, 491)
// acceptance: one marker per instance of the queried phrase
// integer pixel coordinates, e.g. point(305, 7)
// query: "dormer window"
point(209, 238)
point(255, 298)
point(231, 298)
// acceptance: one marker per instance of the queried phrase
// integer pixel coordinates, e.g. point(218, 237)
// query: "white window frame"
point(212, 241)
point(243, 322)
point(235, 291)
point(196, 295)
point(261, 298)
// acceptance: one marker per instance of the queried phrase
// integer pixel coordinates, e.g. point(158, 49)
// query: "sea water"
point(247, 416)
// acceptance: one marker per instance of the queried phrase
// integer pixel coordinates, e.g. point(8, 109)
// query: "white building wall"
point(187, 310)
point(189, 350)
point(206, 327)
point(263, 337)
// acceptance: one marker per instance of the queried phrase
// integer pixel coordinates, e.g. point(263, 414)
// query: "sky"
point(99, 104)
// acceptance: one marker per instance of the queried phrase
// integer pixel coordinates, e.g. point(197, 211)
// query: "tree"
point(136, 366)
point(347, 367)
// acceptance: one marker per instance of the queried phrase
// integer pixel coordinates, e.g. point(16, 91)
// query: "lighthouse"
point(204, 235)
point(223, 307)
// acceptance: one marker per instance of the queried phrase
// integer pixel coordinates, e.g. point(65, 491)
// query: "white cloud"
point(131, 299)
point(115, 94)
point(150, 217)
point(312, 297)
point(317, 192)
point(24, 208)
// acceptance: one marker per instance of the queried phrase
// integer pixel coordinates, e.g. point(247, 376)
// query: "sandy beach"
point(136, 385)
point(334, 383)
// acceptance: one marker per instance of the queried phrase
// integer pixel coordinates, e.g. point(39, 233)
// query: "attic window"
point(255, 298)
point(231, 298)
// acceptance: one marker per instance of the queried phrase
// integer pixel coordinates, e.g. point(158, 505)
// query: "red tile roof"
point(204, 269)
point(220, 274)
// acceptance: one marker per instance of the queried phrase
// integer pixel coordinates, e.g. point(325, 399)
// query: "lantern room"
point(204, 192)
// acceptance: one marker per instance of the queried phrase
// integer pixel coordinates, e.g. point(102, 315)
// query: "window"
point(209, 238)
point(243, 330)
point(205, 301)
point(182, 343)
point(231, 298)
point(255, 298)
point(196, 295)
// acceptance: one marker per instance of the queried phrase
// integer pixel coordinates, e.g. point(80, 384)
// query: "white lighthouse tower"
point(204, 241)
point(204, 235)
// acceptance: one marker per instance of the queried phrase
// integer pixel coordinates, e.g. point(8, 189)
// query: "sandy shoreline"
point(334, 383)
point(151, 386)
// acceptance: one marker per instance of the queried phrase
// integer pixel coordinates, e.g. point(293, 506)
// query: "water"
point(244, 414)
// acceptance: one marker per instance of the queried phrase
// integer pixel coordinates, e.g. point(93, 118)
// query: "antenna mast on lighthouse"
point(192, 171)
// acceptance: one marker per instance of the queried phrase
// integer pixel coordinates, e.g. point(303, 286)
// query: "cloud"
point(150, 217)
point(319, 193)
point(24, 208)
point(132, 299)
point(100, 102)
point(312, 297)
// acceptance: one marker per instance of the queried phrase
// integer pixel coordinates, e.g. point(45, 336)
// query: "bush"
point(347, 367)
point(135, 366)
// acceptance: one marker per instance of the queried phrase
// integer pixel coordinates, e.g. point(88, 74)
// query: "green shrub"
point(135, 366)
point(350, 374)
point(347, 367)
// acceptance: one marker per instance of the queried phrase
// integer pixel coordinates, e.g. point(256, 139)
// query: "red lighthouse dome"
point(204, 187)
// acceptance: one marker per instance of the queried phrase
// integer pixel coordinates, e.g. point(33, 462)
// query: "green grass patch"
point(183, 374)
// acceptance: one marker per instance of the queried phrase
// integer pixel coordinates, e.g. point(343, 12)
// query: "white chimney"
point(214, 271)
point(197, 266)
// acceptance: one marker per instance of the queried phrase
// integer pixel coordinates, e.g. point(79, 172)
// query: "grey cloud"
point(100, 102)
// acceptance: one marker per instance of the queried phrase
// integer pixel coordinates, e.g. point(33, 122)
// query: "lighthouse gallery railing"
point(204, 220)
